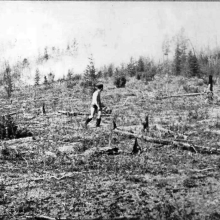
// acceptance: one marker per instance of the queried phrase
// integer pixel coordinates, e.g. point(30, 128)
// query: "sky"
point(111, 31)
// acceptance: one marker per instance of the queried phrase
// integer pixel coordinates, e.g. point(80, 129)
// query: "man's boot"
point(87, 121)
point(98, 121)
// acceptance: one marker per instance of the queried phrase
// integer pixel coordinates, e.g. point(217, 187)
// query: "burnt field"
point(64, 171)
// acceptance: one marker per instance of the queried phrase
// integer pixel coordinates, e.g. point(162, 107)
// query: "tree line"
point(179, 58)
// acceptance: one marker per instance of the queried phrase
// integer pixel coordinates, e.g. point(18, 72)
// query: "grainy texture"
point(70, 172)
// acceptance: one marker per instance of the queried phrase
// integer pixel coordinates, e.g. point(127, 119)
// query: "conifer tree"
point(131, 68)
point(90, 76)
point(69, 75)
point(177, 60)
point(51, 77)
point(110, 70)
point(193, 64)
point(140, 66)
point(37, 77)
point(7, 80)
point(45, 80)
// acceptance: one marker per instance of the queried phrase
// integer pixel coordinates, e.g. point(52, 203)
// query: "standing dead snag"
point(146, 124)
point(43, 109)
point(211, 83)
point(210, 89)
point(114, 125)
point(136, 147)
point(176, 143)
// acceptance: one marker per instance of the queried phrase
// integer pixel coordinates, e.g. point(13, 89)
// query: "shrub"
point(9, 129)
point(70, 74)
point(70, 84)
point(45, 80)
point(139, 75)
point(50, 78)
point(25, 62)
point(191, 89)
point(120, 81)
point(200, 82)
point(76, 77)
point(46, 56)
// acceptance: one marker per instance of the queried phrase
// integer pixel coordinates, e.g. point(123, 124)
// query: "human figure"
point(96, 106)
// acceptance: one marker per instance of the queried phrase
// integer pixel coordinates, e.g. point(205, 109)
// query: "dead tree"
point(146, 124)
point(176, 143)
point(211, 83)
point(136, 147)
point(43, 109)
point(211, 87)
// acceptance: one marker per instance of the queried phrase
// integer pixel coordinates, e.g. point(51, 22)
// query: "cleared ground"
point(68, 172)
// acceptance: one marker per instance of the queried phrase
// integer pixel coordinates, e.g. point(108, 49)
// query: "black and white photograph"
point(109, 110)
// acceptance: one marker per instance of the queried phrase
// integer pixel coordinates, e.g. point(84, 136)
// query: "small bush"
point(71, 84)
point(200, 82)
point(191, 89)
point(76, 77)
point(139, 75)
point(120, 81)
point(9, 129)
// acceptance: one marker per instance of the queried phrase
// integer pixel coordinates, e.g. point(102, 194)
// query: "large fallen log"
point(181, 95)
point(79, 113)
point(177, 143)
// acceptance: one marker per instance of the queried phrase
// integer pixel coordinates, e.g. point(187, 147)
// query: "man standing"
point(96, 106)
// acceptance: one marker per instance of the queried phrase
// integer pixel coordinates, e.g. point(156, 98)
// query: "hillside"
point(68, 172)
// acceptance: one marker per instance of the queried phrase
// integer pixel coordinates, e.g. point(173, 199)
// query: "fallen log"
point(43, 217)
point(177, 143)
point(17, 141)
point(40, 217)
point(181, 95)
point(79, 113)
point(160, 128)
point(118, 106)
point(10, 114)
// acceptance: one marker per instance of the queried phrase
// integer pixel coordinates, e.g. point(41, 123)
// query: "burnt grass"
point(63, 172)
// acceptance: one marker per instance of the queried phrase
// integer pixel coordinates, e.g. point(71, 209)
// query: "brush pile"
point(9, 129)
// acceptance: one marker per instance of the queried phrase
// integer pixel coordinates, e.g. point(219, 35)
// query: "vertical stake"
point(43, 109)
point(114, 125)
point(210, 87)
point(136, 147)
point(146, 124)
point(210, 83)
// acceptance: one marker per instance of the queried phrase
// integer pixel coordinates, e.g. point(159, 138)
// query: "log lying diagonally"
point(177, 143)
